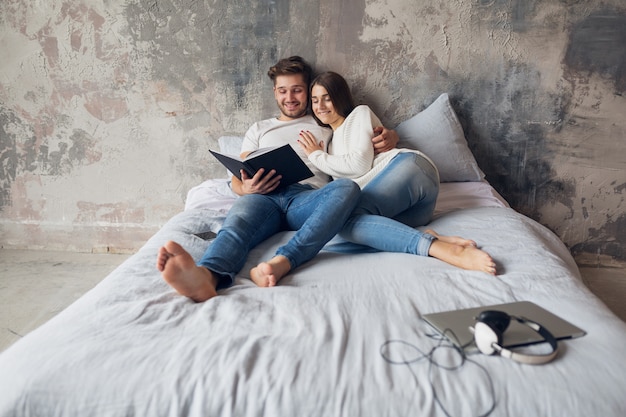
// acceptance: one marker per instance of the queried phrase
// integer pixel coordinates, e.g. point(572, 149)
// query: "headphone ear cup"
point(497, 320)
point(485, 336)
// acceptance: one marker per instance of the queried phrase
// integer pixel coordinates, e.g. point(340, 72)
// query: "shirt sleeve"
point(351, 153)
point(251, 139)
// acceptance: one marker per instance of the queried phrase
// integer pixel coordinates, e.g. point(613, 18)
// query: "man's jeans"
point(316, 214)
point(401, 197)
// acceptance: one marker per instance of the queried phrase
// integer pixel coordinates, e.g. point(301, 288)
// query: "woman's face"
point(323, 108)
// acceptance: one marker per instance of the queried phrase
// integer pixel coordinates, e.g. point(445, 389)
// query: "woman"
point(399, 187)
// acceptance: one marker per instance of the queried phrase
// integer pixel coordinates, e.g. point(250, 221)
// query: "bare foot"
point(181, 272)
point(457, 240)
point(466, 257)
point(267, 274)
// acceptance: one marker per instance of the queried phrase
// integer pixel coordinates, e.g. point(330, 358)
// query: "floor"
point(36, 285)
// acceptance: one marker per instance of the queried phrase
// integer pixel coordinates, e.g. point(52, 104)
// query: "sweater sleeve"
point(351, 152)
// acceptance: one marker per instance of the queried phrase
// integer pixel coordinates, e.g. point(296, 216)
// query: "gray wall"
point(108, 109)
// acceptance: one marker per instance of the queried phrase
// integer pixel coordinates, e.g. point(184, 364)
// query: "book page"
point(260, 151)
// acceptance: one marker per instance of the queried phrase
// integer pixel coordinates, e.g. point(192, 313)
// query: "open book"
point(283, 159)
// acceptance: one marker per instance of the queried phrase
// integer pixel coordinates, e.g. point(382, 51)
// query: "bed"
point(341, 336)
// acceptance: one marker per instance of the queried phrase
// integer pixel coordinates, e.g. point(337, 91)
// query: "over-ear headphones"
point(488, 331)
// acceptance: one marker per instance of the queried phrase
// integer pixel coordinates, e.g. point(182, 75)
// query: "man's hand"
point(260, 183)
point(384, 139)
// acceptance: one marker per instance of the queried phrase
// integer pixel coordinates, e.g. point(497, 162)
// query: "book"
point(283, 159)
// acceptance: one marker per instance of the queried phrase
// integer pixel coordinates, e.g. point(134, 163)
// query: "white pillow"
point(436, 131)
point(230, 145)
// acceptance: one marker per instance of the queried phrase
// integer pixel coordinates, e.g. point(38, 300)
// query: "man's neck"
point(284, 118)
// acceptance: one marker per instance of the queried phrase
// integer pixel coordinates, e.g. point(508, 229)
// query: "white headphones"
point(491, 325)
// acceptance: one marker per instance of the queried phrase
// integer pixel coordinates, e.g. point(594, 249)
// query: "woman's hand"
point(309, 144)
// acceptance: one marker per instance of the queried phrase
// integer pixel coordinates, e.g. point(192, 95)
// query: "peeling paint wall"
point(108, 109)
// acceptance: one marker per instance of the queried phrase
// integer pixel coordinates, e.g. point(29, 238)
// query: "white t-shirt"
point(351, 154)
point(274, 132)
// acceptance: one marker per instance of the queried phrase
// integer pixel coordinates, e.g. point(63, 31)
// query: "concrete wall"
point(108, 109)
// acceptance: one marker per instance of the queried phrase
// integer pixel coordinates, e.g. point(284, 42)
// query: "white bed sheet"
point(316, 344)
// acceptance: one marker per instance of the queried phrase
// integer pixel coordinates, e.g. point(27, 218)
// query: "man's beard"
point(294, 114)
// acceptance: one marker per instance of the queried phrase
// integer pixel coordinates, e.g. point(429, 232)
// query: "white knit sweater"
point(350, 152)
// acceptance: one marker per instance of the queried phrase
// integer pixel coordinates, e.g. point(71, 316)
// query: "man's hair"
point(290, 66)
point(338, 91)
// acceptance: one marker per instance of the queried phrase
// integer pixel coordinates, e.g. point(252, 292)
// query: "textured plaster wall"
point(108, 109)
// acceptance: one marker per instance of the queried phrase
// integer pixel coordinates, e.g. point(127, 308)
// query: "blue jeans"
point(316, 214)
point(399, 198)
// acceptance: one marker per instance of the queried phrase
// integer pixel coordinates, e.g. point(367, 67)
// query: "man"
point(314, 209)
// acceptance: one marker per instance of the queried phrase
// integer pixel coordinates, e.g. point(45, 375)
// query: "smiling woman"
point(324, 109)
point(399, 186)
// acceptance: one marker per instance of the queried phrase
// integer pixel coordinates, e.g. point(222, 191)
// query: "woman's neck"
point(335, 125)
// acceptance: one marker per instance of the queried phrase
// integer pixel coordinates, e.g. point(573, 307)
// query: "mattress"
point(340, 336)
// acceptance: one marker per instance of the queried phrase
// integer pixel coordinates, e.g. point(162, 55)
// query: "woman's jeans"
point(316, 214)
point(399, 198)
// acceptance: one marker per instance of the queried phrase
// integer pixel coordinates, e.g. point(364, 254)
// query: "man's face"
point(291, 96)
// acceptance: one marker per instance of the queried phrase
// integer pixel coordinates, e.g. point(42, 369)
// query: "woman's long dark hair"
point(338, 91)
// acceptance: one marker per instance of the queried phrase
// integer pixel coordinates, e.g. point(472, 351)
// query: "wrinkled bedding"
point(340, 336)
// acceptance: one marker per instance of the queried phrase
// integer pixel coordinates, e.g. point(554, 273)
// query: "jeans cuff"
point(423, 244)
point(223, 282)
